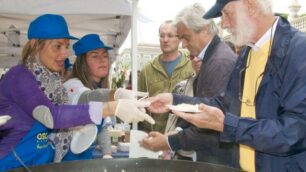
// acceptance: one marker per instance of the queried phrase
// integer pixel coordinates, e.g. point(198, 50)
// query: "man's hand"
point(159, 103)
point(131, 111)
point(171, 133)
point(210, 117)
point(196, 64)
point(155, 142)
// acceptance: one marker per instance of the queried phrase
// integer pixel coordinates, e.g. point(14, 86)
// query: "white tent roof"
point(111, 19)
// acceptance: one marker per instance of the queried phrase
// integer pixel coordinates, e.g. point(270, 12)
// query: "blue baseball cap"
point(87, 43)
point(215, 11)
point(49, 26)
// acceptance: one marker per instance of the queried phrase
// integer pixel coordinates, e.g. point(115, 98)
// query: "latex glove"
point(130, 111)
point(122, 93)
point(4, 119)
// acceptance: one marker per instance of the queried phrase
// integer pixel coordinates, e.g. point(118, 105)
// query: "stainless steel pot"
point(128, 165)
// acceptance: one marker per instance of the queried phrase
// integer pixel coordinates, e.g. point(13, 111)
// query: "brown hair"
point(81, 71)
point(31, 49)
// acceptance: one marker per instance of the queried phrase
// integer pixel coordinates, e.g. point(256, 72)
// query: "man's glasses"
point(241, 79)
point(248, 102)
point(242, 72)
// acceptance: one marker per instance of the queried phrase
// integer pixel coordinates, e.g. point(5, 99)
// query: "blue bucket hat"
point(215, 11)
point(87, 43)
point(49, 26)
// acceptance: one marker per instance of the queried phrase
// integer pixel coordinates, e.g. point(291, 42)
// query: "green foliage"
point(302, 15)
point(119, 75)
point(285, 15)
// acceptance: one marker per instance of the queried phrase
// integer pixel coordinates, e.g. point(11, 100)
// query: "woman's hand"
point(122, 93)
point(131, 111)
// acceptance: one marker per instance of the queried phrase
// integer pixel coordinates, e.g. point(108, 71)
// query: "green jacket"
point(154, 79)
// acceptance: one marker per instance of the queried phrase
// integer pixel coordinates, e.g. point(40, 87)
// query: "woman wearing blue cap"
point(89, 80)
point(33, 95)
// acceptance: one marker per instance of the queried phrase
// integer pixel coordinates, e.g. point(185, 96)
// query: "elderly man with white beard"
point(263, 111)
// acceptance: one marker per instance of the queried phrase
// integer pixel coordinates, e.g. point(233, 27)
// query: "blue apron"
point(33, 149)
point(88, 154)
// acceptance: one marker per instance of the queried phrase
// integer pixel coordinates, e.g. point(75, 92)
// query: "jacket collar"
point(210, 49)
point(279, 50)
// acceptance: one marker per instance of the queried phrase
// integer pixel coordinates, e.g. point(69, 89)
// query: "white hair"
point(192, 17)
point(244, 27)
point(265, 6)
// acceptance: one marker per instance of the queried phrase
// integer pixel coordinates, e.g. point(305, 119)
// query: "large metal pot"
point(128, 165)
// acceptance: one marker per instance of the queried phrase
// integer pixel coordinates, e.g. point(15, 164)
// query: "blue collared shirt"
point(202, 53)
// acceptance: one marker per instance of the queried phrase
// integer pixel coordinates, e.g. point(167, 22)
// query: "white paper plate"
point(123, 146)
point(189, 108)
point(82, 138)
point(136, 151)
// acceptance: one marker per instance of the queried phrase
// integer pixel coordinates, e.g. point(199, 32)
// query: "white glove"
point(4, 119)
point(129, 111)
point(122, 93)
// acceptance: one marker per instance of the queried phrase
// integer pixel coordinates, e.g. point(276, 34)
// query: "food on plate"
point(185, 108)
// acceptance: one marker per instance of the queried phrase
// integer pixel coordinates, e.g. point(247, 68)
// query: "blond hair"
point(31, 49)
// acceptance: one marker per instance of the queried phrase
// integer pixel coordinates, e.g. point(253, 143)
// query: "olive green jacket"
point(154, 79)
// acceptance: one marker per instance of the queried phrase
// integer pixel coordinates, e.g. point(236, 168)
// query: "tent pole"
point(134, 49)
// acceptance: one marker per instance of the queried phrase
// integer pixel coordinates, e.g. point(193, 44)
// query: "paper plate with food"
point(189, 108)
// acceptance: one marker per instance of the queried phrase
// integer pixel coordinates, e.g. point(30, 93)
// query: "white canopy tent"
point(111, 19)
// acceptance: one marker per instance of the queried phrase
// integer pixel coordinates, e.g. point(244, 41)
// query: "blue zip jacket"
point(278, 134)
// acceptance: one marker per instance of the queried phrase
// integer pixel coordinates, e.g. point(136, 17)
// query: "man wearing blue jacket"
point(263, 110)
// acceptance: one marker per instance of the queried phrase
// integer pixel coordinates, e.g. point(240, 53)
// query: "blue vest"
point(33, 149)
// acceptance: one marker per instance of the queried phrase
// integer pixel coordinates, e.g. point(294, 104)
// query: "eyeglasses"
point(240, 79)
point(163, 36)
point(242, 71)
point(248, 102)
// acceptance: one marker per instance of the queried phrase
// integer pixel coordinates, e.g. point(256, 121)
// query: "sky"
point(154, 12)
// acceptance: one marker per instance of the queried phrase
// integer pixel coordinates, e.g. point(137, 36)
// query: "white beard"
point(245, 28)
